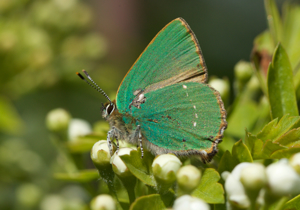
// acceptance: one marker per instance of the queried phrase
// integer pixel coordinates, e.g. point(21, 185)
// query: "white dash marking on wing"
point(196, 115)
point(184, 86)
point(195, 124)
point(194, 107)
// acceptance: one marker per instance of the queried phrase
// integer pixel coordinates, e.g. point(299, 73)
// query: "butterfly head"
point(107, 109)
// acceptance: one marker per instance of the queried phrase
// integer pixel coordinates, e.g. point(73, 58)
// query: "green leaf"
point(280, 84)
point(81, 176)
point(139, 167)
point(81, 145)
point(209, 189)
point(227, 162)
point(291, 38)
point(293, 203)
point(276, 140)
point(274, 21)
point(274, 130)
point(148, 202)
point(241, 152)
point(243, 116)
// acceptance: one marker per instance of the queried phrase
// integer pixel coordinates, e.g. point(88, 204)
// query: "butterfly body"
point(164, 103)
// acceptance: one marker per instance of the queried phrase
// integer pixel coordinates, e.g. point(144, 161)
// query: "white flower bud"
point(100, 153)
point(254, 177)
point(119, 166)
point(234, 188)
point(78, 127)
point(166, 166)
point(188, 178)
point(243, 71)
point(58, 119)
point(295, 162)
point(221, 85)
point(103, 202)
point(282, 178)
point(188, 202)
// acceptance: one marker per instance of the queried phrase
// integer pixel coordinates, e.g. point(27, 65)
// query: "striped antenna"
point(93, 84)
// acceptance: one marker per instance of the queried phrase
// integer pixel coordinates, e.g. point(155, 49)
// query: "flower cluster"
point(252, 184)
point(167, 169)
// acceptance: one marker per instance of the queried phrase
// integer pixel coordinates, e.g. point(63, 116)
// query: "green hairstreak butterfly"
point(163, 102)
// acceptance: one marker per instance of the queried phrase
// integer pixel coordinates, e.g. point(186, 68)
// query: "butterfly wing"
point(165, 92)
point(172, 56)
point(185, 118)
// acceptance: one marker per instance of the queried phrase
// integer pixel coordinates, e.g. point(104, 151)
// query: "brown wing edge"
point(199, 52)
point(205, 155)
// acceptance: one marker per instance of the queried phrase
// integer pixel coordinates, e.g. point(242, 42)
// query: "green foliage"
point(276, 139)
point(141, 168)
point(293, 203)
point(209, 189)
point(151, 202)
point(81, 176)
point(280, 85)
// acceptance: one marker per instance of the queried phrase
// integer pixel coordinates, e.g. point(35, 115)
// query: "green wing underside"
point(173, 52)
point(180, 117)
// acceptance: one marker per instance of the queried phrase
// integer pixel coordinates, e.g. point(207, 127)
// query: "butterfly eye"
point(110, 108)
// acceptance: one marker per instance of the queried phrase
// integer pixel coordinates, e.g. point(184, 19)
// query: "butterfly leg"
point(138, 134)
point(140, 140)
point(117, 140)
point(110, 134)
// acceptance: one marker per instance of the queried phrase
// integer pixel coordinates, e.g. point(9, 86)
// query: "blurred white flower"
point(295, 162)
point(58, 119)
point(28, 195)
point(51, 202)
point(164, 165)
point(254, 176)
point(78, 127)
point(243, 71)
point(188, 178)
point(187, 202)
point(221, 85)
point(120, 167)
point(234, 188)
point(100, 153)
point(282, 178)
point(103, 202)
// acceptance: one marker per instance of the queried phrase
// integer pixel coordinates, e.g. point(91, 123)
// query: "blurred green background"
point(44, 42)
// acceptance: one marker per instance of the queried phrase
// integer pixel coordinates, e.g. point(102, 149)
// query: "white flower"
point(188, 177)
point(103, 202)
point(187, 202)
point(254, 176)
point(120, 167)
point(295, 162)
point(58, 119)
point(282, 178)
point(78, 127)
point(221, 86)
point(164, 165)
point(243, 70)
point(100, 153)
point(235, 189)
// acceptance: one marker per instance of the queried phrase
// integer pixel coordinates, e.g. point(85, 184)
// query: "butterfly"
point(163, 102)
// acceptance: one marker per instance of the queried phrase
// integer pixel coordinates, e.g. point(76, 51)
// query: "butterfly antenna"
point(94, 85)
